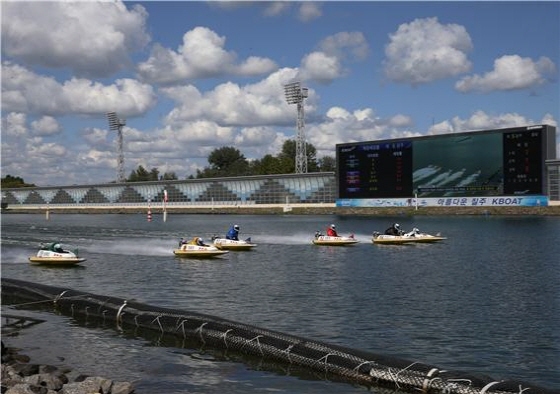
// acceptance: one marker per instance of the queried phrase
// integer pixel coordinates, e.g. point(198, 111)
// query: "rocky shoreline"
point(19, 376)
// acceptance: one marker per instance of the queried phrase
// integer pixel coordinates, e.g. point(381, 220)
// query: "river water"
point(485, 301)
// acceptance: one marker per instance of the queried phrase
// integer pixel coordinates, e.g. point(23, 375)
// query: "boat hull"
point(230, 244)
point(56, 261)
point(197, 251)
point(47, 256)
point(334, 241)
point(403, 239)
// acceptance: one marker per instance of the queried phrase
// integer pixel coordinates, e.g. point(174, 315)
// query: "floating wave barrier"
point(350, 365)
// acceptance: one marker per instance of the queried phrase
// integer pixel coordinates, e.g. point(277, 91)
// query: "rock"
point(24, 388)
point(21, 378)
point(50, 381)
point(122, 388)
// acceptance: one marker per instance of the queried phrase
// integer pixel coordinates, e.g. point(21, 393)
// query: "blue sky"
point(190, 77)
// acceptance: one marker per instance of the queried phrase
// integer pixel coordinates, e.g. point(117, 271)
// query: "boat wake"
point(145, 247)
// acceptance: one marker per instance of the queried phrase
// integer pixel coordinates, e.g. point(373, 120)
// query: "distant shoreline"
point(300, 209)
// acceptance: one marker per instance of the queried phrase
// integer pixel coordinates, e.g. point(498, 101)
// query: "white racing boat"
point(321, 239)
point(53, 254)
point(193, 249)
point(414, 236)
point(231, 244)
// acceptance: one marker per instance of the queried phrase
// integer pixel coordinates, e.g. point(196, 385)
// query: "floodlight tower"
point(117, 124)
point(295, 94)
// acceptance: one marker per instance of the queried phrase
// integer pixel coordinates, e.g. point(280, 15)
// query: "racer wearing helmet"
point(233, 233)
point(331, 231)
point(395, 229)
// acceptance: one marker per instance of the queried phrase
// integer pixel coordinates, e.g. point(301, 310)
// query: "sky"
point(190, 77)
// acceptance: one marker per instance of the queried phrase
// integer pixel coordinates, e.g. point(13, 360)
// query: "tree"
point(326, 164)
point(267, 165)
point(142, 175)
point(228, 161)
point(289, 153)
point(14, 181)
point(154, 175)
point(169, 176)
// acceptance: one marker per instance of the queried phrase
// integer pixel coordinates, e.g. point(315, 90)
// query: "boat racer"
point(198, 241)
point(395, 229)
point(233, 233)
point(331, 231)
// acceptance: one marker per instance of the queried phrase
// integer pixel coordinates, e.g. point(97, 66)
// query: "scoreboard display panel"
point(482, 163)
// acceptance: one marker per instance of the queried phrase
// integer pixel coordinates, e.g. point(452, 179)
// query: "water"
point(486, 301)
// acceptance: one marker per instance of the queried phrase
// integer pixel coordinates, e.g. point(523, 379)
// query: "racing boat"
point(231, 244)
point(414, 236)
point(321, 239)
point(53, 254)
point(194, 249)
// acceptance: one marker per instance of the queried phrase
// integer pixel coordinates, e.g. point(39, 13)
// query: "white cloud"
point(47, 125)
point(229, 104)
point(96, 137)
point(510, 72)
point(326, 65)
point(46, 34)
point(309, 10)
point(14, 125)
point(202, 55)
point(276, 8)
point(320, 67)
point(25, 91)
point(352, 42)
point(425, 50)
point(480, 120)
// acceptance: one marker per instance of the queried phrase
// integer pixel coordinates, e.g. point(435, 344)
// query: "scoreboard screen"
point(379, 169)
point(481, 163)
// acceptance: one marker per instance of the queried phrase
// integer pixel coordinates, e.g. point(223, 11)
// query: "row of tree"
point(10, 181)
point(227, 162)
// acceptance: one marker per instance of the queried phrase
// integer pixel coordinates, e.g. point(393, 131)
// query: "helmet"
point(236, 227)
point(397, 226)
point(57, 246)
point(333, 226)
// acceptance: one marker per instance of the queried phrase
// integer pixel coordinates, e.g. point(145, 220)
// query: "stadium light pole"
point(295, 94)
point(117, 124)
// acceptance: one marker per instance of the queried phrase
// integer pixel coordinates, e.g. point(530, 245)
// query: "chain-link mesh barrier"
point(359, 367)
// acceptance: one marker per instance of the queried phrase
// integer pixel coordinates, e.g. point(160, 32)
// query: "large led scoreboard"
point(504, 162)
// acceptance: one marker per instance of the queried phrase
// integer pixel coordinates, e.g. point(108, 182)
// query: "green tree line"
point(10, 181)
point(228, 161)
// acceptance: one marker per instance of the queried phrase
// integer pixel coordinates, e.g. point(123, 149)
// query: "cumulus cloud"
point(511, 72)
point(47, 125)
point(45, 34)
point(230, 104)
point(276, 8)
point(25, 91)
point(309, 10)
point(327, 64)
point(343, 126)
point(14, 125)
point(202, 55)
point(425, 50)
point(305, 11)
point(320, 67)
point(346, 45)
point(480, 120)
